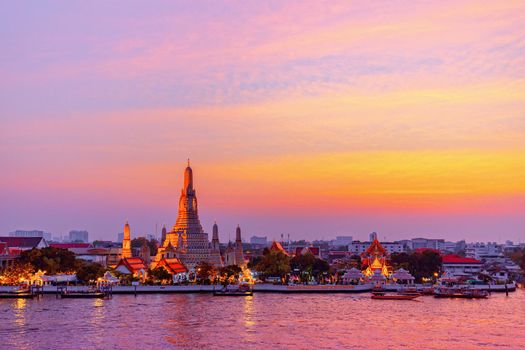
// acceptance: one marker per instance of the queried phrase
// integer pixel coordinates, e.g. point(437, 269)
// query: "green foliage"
point(518, 256)
point(15, 273)
point(274, 263)
point(159, 274)
point(228, 271)
point(89, 271)
point(51, 260)
point(307, 265)
point(420, 265)
point(206, 273)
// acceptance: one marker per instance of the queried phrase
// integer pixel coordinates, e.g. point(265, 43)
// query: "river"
point(264, 321)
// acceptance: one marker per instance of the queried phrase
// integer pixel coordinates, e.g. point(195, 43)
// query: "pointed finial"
point(188, 161)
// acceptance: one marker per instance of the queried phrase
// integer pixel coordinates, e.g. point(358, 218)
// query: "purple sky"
point(314, 119)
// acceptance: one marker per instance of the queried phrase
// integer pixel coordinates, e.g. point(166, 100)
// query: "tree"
point(307, 265)
point(16, 273)
point(420, 265)
point(52, 260)
point(230, 272)
point(274, 263)
point(159, 274)
point(90, 271)
point(206, 272)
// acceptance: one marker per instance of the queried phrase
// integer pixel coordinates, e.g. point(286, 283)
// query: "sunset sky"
point(311, 119)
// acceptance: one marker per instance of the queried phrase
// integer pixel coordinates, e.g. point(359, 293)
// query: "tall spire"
point(163, 237)
point(215, 238)
point(238, 235)
point(188, 180)
point(126, 241)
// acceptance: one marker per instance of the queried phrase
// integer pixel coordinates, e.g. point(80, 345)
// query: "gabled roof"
point(172, 265)
point(456, 259)
point(304, 250)
point(133, 265)
point(375, 248)
point(277, 247)
point(22, 242)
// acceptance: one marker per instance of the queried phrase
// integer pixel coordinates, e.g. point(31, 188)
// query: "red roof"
point(172, 265)
point(3, 248)
point(133, 265)
point(456, 259)
point(276, 246)
point(70, 245)
point(313, 250)
point(21, 242)
point(375, 248)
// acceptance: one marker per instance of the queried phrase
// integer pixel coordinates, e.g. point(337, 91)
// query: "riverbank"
point(258, 288)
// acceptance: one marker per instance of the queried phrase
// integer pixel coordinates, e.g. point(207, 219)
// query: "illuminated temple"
point(375, 260)
point(186, 241)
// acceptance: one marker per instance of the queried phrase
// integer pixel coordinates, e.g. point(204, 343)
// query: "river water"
point(264, 321)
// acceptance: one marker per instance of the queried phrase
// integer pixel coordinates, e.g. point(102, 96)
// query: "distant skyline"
point(314, 119)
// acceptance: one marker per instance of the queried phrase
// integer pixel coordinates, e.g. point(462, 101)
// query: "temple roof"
point(133, 265)
point(276, 246)
point(173, 265)
point(376, 248)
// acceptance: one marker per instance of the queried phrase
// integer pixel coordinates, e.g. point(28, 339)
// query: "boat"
point(83, 294)
point(19, 293)
point(395, 296)
point(464, 293)
point(238, 290)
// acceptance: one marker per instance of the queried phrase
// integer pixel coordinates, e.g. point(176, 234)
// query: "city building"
point(437, 244)
point(358, 247)
point(486, 252)
point(259, 242)
point(79, 236)
point(456, 266)
point(341, 241)
point(31, 233)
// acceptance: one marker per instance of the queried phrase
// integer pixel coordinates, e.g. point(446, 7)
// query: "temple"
point(375, 260)
point(187, 241)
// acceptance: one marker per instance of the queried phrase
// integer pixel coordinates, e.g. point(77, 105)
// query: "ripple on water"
point(264, 321)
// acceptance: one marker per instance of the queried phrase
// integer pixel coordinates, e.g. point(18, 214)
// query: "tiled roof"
point(172, 265)
point(456, 259)
point(134, 265)
point(22, 242)
point(276, 246)
point(304, 250)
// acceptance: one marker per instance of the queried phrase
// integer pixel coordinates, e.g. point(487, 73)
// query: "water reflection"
point(262, 321)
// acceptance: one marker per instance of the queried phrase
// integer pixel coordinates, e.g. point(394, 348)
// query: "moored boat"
point(239, 290)
point(18, 293)
point(464, 293)
point(82, 294)
point(396, 296)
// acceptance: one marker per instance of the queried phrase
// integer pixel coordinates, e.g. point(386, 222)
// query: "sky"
point(314, 119)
